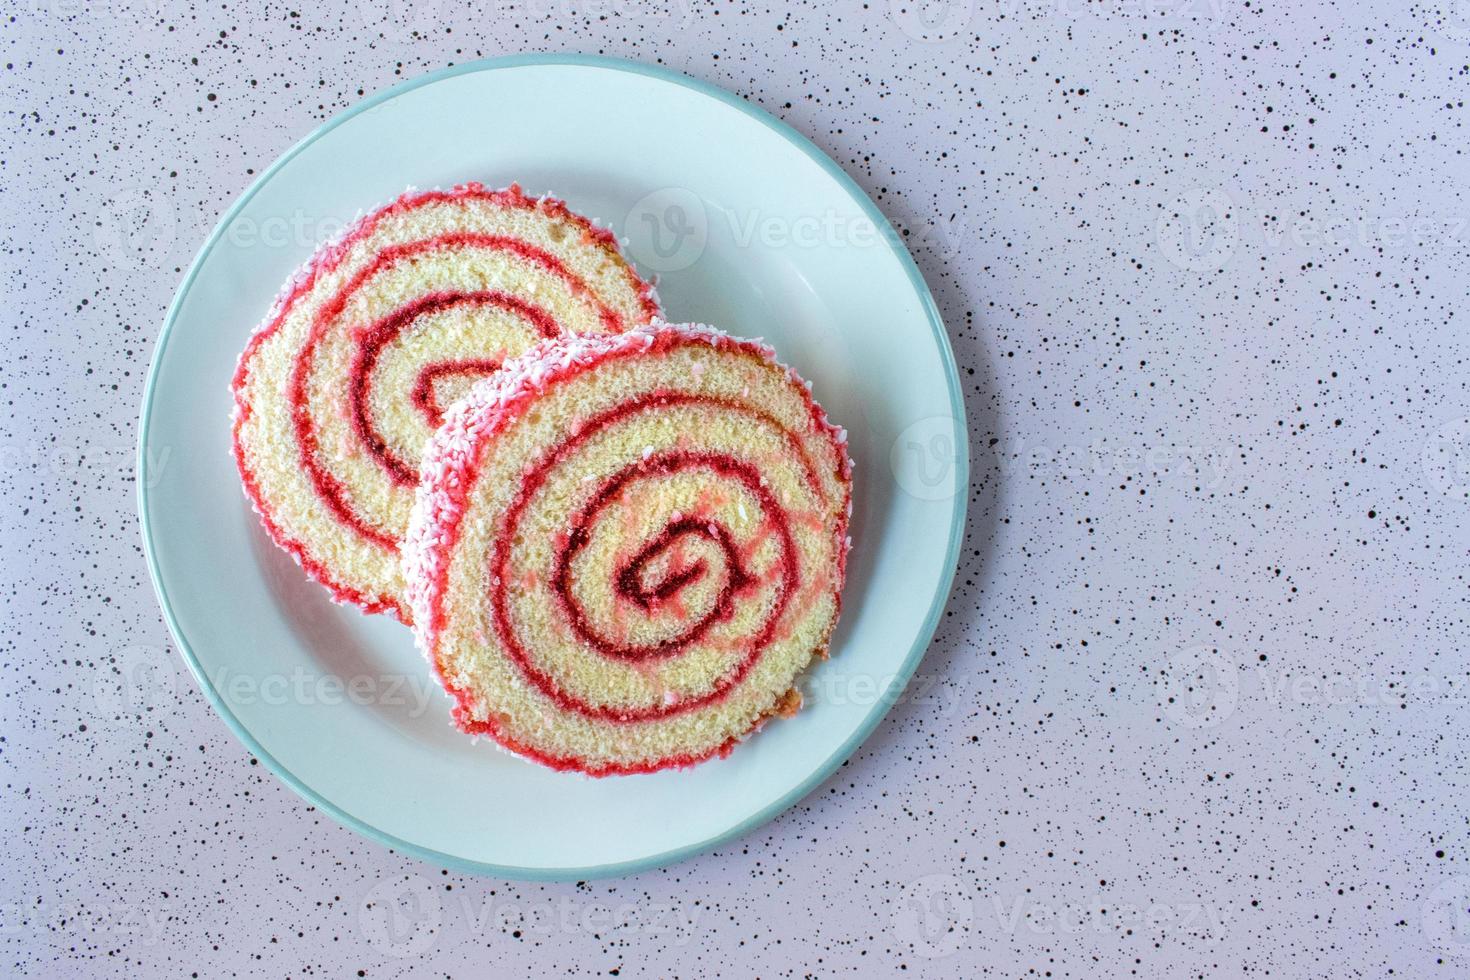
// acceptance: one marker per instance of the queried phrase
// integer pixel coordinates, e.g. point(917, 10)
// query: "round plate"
point(751, 228)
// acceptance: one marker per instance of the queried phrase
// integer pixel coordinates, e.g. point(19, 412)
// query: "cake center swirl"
point(655, 578)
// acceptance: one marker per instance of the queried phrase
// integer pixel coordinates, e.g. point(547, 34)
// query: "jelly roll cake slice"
point(343, 384)
point(626, 548)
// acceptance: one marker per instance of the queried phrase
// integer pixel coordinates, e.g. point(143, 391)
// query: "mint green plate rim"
point(921, 640)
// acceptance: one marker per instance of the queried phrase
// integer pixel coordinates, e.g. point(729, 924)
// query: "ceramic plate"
point(750, 228)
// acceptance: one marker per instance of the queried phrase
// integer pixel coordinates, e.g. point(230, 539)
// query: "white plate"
point(753, 230)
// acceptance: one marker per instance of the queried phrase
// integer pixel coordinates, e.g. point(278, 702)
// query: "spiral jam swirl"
point(338, 393)
point(625, 551)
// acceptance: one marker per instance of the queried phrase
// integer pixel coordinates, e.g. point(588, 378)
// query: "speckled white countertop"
point(1196, 704)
